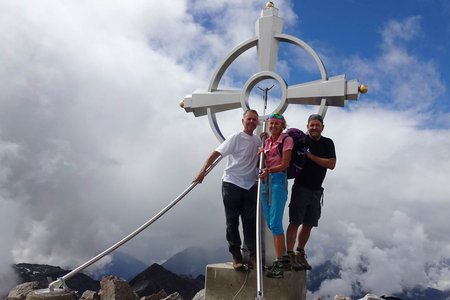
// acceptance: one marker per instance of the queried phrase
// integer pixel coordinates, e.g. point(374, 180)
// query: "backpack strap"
point(281, 145)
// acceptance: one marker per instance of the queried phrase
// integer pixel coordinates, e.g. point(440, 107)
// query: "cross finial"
point(270, 4)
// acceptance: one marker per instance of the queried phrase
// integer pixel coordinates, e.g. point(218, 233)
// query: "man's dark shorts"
point(305, 206)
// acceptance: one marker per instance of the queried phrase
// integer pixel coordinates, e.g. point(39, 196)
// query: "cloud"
point(383, 219)
point(86, 126)
point(388, 266)
point(8, 152)
point(93, 142)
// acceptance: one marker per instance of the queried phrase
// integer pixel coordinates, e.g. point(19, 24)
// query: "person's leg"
point(297, 209)
point(276, 226)
point(249, 219)
point(312, 216)
point(291, 237)
point(303, 236)
point(282, 263)
point(231, 201)
point(279, 243)
point(279, 197)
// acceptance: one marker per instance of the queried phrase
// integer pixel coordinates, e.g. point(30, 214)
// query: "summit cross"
point(324, 92)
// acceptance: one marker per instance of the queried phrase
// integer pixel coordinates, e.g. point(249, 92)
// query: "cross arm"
point(335, 90)
point(218, 101)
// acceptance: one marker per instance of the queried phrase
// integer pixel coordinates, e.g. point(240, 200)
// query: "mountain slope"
point(156, 278)
point(122, 265)
point(193, 260)
point(35, 272)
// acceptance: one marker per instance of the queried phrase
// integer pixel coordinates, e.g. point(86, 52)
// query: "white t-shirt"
point(242, 152)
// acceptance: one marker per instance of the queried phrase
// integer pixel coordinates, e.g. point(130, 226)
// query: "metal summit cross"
point(323, 92)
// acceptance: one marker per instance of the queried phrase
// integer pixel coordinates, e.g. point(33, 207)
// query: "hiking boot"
point(294, 264)
point(276, 271)
point(252, 262)
point(286, 261)
point(237, 260)
point(301, 259)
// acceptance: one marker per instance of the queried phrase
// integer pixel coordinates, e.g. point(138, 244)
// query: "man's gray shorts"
point(305, 206)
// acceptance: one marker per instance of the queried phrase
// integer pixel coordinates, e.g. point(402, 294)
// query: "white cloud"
point(7, 275)
point(400, 78)
point(399, 31)
point(8, 153)
point(97, 142)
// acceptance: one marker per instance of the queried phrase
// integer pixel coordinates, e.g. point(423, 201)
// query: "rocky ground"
point(154, 283)
point(111, 288)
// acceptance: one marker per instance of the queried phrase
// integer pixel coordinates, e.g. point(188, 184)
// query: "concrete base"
point(223, 283)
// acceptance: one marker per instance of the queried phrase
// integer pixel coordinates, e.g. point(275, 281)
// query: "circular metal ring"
point(254, 80)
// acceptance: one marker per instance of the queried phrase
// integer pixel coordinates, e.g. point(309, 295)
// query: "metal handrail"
point(60, 282)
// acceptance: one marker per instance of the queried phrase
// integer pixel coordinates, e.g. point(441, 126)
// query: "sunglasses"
point(276, 116)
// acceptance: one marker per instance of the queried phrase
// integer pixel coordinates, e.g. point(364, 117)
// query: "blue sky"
point(354, 27)
point(361, 28)
point(93, 142)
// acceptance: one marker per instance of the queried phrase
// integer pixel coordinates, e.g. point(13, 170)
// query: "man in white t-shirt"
point(239, 187)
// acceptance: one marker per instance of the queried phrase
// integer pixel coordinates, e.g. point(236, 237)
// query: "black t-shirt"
point(312, 174)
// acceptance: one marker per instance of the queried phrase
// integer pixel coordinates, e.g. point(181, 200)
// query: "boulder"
point(115, 288)
point(21, 291)
point(90, 295)
point(157, 296)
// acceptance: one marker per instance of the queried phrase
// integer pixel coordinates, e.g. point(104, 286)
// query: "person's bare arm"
point(285, 160)
point(211, 159)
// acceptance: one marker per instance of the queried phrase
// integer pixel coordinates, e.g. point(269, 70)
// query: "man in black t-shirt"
point(307, 191)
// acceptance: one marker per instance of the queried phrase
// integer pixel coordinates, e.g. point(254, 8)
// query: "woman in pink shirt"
point(274, 189)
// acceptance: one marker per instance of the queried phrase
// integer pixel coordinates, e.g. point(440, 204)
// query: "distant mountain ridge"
point(150, 281)
point(193, 260)
point(122, 265)
point(156, 278)
point(35, 272)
